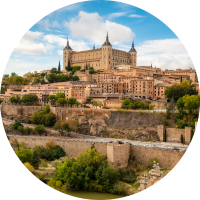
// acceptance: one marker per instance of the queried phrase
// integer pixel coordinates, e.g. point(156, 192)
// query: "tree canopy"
point(179, 90)
point(61, 78)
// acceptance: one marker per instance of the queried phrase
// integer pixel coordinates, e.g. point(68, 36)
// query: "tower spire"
point(107, 40)
point(94, 46)
point(133, 48)
point(67, 46)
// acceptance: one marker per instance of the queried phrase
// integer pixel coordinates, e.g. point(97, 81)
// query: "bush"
point(29, 166)
point(21, 129)
point(17, 124)
point(27, 130)
point(50, 144)
point(165, 122)
point(57, 152)
point(50, 119)
point(39, 129)
point(47, 109)
point(24, 154)
point(41, 117)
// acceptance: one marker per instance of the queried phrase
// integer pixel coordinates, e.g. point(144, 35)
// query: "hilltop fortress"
point(100, 59)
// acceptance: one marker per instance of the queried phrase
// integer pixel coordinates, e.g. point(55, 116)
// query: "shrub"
point(29, 166)
point(41, 117)
point(35, 160)
point(165, 122)
point(17, 124)
point(24, 154)
point(27, 130)
point(72, 124)
point(50, 119)
point(21, 129)
point(57, 152)
point(39, 129)
point(47, 109)
point(50, 144)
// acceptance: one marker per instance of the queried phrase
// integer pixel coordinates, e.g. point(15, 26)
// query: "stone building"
point(101, 58)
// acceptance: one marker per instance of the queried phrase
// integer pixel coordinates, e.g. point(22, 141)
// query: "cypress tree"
point(59, 67)
point(192, 135)
point(165, 136)
point(182, 138)
point(181, 79)
point(35, 159)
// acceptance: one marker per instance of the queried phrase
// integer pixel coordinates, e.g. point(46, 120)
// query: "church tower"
point(133, 55)
point(66, 55)
point(106, 59)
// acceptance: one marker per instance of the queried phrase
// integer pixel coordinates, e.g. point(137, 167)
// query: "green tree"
point(29, 98)
point(54, 70)
point(180, 90)
point(35, 159)
point(52, 99)
point(1, 101)
point(60, 95)
point(62, 101)
point(43, 74)
point(71, 101)
point(16, 125)
point(126, 102)
point(50, 119)
point(59, 67)
point(77, 103)
point(171, 108)
point(3, 90)
point(13, 74)
point(39, 129)
point(68, 68)
point(24, 154)
point(47, 109)
point(12, 99)
point(191, 103)
point(5, 76)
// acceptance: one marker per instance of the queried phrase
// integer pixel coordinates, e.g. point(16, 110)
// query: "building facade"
point(102, 58)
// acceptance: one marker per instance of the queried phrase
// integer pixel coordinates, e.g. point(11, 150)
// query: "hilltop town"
point(131, 115)
point(104, 74)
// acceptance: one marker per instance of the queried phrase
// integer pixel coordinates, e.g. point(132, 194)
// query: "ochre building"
point(102, 58)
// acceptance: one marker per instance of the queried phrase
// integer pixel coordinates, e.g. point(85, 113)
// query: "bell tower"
point(133, 55)
point(66, 55)
point(106, 55)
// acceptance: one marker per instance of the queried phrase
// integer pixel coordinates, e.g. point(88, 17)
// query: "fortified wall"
point(117, 154)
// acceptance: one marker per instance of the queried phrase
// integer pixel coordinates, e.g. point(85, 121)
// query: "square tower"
point(66, 55)
point(106, 58)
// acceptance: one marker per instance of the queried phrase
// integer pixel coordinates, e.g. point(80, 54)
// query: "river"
point(93, 195)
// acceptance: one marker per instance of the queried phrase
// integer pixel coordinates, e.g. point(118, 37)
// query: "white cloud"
point(46, 24)
point(61, 42)
point(115, 15)
point(92, 27)
point(137, 16)
point(166, 53)
point(29, 44)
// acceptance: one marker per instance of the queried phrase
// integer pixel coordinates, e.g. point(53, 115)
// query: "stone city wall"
point(166, 158)
point(117, 155)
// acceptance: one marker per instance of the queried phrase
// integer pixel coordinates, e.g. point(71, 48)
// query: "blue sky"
point(86, 23)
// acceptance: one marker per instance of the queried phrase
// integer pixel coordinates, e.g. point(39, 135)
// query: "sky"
point(86, 24)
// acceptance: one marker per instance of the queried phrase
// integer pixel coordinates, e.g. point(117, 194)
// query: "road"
point(132, 142)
